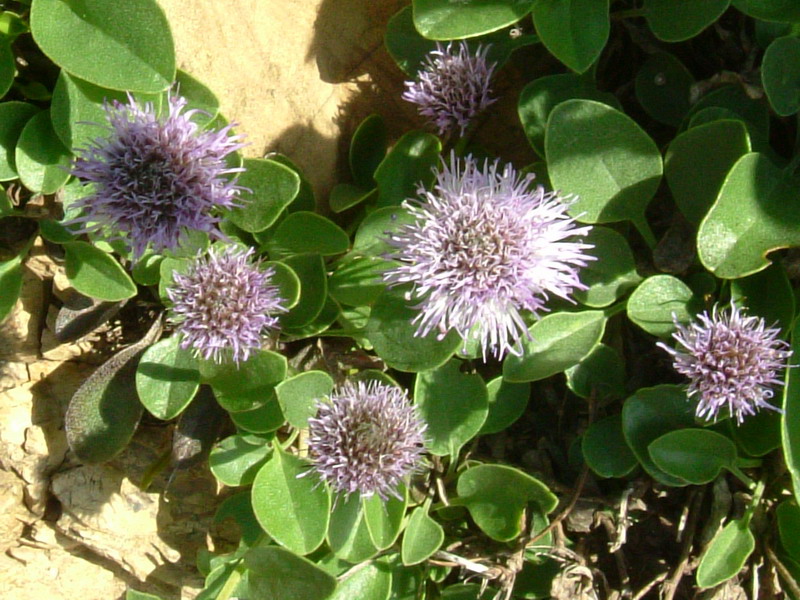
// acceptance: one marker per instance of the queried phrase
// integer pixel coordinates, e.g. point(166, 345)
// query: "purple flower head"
point(155, 176)
point(484, 247)
point(366, 438)
point(452, 87)
point(732, 361)
point(224, 304)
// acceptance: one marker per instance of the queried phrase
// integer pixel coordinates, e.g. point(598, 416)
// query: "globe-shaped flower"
point(485, 246)
point(155, 177)
point(452, 87)
point(732, 361)
point(366, 438)
point(224, 304)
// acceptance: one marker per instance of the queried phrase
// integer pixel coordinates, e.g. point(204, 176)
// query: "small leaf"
point(358, 280)
point(123, 47)
point(385, 518)
point(306, 232)
point(659, 301)
point(779, 74)
point(783, 11)
point(407, 166)
point(41, 159)
point(453, 404)
point(557, 341)
point(11, 284)
point(167, 378)
point(8, 68)
point(392, 334)
point(754, 214)
point(199, 97)
point(507, 403)
point(574, 31)
point(13, 118)
point(96, 274)
point(345, 196)
point(600, 375)
point(423, 537)
point(663, 85)
point(290, 503)
point(651, 413)
point(373, 582)
point(445, 20)
point(759, 434)
point(348, 534)
point(789, 527)
point(272, 187)
point(287, 282)
point(605, 450)
point(676, 21)
point(249, 384)
point(277, 574)
point(732, 102)
point(726, 554)
point(266, 418)
point(496, 496)
point(236, 460)
point(298, 396)
point(695, 455)
point(767, 294)
point(367, 149)
point(613, 274)
point(790, 422)
point(103, 413)
point(310, 270)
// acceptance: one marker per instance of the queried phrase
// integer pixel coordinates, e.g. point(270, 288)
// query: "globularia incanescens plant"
point(408, 385)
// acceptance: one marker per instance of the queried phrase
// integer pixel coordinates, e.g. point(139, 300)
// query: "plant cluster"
point(621, 309)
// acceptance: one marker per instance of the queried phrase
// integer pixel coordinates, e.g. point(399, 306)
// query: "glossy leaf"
point(507, 403)
point(779, 69)
point(167, 378)
point(675, 20)
point(237, 459)
point(444, 20)
point(41, 159)
point(423, 536)
point(753, 215)
point(287, 282)
point(13, 118)
point(96, 274)
point(407, 166)
point(298, 395)
point(694, 455)
point(11, 284)
point(557, 341)
point(659, 301)
point(574, 31)
point(348, 534)
point(122, 47)
point(384, 518)
point(605, 450)
point(726, 554)
point(663, 86)
point(613, 274)
point(290, 503)
point(277, 574)
point(600, 375)
point(306, 232)
point(249, 384)
point(454, 406)
point(310, 270)
point(272, 187)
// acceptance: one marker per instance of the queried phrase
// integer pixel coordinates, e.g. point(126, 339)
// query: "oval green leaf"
point(13, 118)
point(249, 384)
point(423, 537)
point(779, 74)
point(41, 159)
point(726, 554)
point(167, 378)
point(600, 375)
point(507, 403)
point(574, 31)
point(236, 460)
point(676, 20)
point(663, 85)
point(310, 271)
point(692, 454)
point(298, 396)
point(305, 232)
point(385, 518)
point(277, 574)
point(613, 274)
point(367, 150)
point(605, 450)
point(446, 20)
point(96, 274)
point(659, 301)
point(407, 165)
point(348, 534)
point(272, 187)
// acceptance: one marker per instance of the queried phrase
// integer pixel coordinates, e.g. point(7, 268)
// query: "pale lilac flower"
point(732, 361)
point(154, 177)
point(366, 438)
point(452, 87)
point(224, 304)
point(484, 247)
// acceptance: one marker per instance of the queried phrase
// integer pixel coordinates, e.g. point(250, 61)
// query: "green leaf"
point(605, 450)
point(676, 21)
point(372, 582)
point(767, 294)
point(759, 434)
point(732, 102)
point(445, 20)
point(345, 196)
point(404, 43)
point(557, 341)
point(780, 74)
point(367, 149)
point(236, 460)
point(538, 99)
point(385, 518)
point(423, 537)
point(358, 280)
point(753, 215)
point(613, 274)
point(790, 421)
point(8, 69)
point(574, 31)
point(134, 595)
point(287, 282)
point(277, 574)
point(239, 508)
point(326, 317)
point(496, 496)
point(659, 301)
point(96, 274)
point(600, 375)
point(167, 378)
point(199, 96)
point(249, 384)
point(507, 403)
point(618, 169)
point(13, 118)
point(371, 235)
point(290, 503)
point(408, 165)
point(699, 159)
point(453, 404)
point(306, 232)
point(726, 554)
point(694, 455)
point(348, 534)
point(273, 186)
point(789, 527)
point(305, 197)
point(103, 413)
point(783, 11)
point(122, 46)
point(663, 86)
point(298, 396)
point(11, 284)
point(391, 333)
point(266, 418)
point(41, 159)
point(651, 413)
point(310, 270)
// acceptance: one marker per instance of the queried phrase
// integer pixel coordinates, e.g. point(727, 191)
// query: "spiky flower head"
point(224, 304)
point(366, 438)
point(485, 246)
point(155, 176)
point(732, 361)
point(452, 87)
